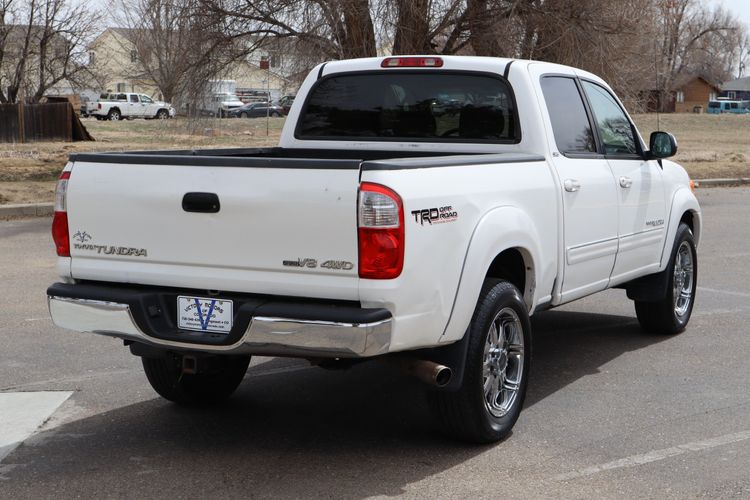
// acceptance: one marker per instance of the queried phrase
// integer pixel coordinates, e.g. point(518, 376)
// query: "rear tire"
point(165, 376)
point(114, 115)
point(671, 314)
point(489, 401)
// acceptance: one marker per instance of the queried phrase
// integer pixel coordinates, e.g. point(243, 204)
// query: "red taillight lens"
point(60, 234)
point(412, 62)
point(381, 232)
point(60, 220)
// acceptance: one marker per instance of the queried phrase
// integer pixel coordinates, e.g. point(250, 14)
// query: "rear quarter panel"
point(424, 298)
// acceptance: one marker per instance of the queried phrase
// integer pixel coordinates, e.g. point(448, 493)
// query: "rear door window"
point(570, 124)
point(401, 105)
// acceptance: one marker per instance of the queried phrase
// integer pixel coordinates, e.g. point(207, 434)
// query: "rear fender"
point(500, 229)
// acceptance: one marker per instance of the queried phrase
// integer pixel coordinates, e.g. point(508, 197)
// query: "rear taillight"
point(412, 62)
point(381, 232)
point(98, 105)
point(60, 233)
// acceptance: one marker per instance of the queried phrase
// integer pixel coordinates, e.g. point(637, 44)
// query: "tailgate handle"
point(207, 203)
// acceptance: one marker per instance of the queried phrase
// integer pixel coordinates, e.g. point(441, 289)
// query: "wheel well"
point(687, 218)
point(114, 108)
point(511, 266)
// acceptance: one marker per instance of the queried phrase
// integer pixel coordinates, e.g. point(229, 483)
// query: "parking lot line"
point(22, 413)
point(725, 292)
point(656, 455)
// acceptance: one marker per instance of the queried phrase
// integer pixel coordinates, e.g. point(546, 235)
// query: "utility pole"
point(265, 64)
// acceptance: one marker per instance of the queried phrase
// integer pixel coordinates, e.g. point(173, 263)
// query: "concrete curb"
point(27, 210)
point(739, 181)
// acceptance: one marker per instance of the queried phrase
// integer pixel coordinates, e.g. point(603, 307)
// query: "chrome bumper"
point(264, 335)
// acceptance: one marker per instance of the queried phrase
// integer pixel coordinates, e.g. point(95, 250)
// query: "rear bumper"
point(262, 325)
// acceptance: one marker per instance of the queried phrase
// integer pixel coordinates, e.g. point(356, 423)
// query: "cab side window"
point(615, 130)
point(133, 98)
point(570, 124)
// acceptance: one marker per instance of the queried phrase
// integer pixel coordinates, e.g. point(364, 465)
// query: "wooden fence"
point(40, 122)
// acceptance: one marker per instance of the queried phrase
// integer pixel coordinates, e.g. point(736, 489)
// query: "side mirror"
point(662, 145)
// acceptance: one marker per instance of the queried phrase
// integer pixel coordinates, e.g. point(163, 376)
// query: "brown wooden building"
point(694, 93)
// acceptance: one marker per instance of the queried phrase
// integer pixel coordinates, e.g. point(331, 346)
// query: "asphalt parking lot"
point(611, 411)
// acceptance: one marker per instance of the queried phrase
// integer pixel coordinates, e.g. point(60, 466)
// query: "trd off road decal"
point(438, 215)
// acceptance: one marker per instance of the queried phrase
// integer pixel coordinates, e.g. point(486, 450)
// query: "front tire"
point(671, 314)
point(162, 114)
point(489, 401)
point(224, 375)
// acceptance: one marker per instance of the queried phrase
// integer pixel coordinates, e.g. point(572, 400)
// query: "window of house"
point(92, 57)
point(712, 96)
point(680, 96)
point(121, 87)
point(731, 95)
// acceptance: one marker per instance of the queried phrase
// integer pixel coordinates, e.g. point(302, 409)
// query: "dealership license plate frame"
point(205, 314)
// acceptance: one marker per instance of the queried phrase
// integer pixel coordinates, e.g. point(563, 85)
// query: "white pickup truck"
point(121, 105)
point(385, 224)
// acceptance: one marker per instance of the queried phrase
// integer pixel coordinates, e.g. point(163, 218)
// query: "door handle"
point(571, 185)
point(207, 203)
point(625, 182)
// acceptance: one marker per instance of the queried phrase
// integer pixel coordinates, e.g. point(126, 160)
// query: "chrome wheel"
point(683, 279)
point(503, 362)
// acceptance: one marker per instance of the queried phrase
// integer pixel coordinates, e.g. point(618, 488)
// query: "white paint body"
point(573, 243)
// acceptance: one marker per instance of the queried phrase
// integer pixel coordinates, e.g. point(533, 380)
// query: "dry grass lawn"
point(711, 146)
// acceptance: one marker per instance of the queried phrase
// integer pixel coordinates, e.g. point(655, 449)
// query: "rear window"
point(397, 106)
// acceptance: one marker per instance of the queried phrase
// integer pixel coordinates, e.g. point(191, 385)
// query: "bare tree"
point(173, 45)
point(42, 43)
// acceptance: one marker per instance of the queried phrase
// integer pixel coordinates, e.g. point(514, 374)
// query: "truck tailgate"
point(287, 227)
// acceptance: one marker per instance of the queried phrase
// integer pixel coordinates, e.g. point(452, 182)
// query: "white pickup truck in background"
point(417, 209)
point(121, 105)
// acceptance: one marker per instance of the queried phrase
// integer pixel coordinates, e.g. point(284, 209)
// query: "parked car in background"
point(726, 106)
point(286, 102)
point(256, 109)
point(121, 105)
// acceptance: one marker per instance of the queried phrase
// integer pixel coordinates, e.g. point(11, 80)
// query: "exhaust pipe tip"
point(443, 376)
point(429, 372)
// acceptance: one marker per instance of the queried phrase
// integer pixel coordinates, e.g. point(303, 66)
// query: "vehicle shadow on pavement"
point(569, 345)
point(292, 430)
point(305, 433)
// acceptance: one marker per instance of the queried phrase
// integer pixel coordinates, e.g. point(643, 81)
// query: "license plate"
point(204, 315)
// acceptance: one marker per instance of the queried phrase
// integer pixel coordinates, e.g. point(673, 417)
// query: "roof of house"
point(738, 84)
point(680, 83)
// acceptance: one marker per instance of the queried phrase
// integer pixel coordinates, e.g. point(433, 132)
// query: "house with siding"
point(693, 93)
point(737, 90)
point(113, 56)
